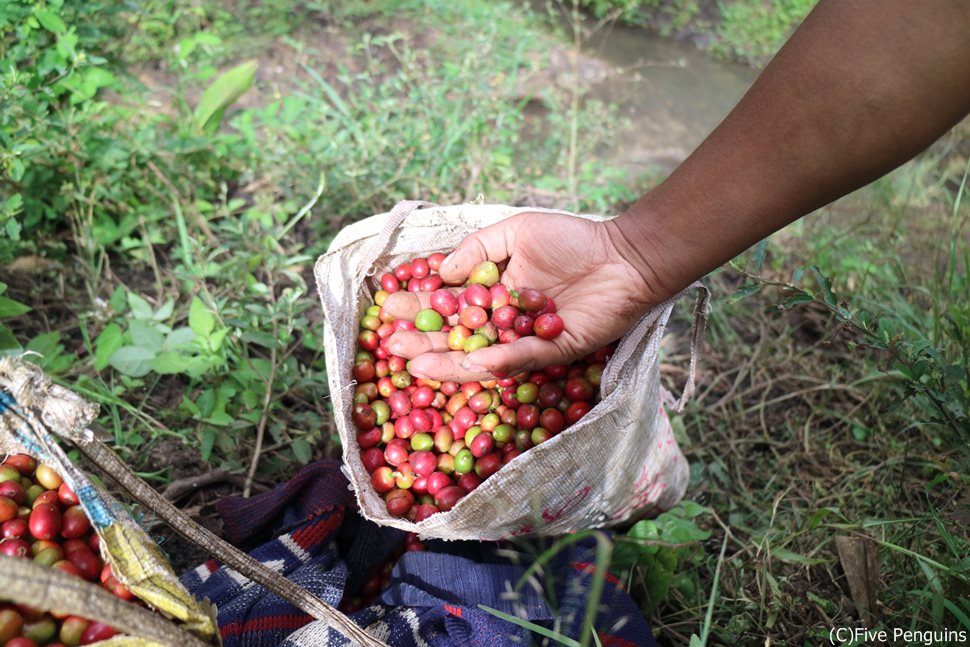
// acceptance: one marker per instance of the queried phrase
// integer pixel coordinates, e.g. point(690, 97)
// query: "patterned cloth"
point(308, 530)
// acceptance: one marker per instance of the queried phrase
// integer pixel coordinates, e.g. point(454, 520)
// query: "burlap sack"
point(620, 461)
point(34, 413)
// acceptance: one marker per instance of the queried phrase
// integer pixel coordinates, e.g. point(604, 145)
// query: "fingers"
point(444, 366)
point(493, 243)
point(405, 305)
point(410, 344)
point(525, 354)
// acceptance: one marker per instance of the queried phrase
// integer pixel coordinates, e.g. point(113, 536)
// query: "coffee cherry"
point(531, 300)
point(523, 325)
point(399, 502)
point(449, 496)
point(548, 326)
point(485, 273)
point(418, 436)
point(45, 521)
point(444, 302)
point(23, 463)
point(473, 317)
point(429, 320)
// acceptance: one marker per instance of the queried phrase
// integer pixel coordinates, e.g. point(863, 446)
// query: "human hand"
point(588, 269)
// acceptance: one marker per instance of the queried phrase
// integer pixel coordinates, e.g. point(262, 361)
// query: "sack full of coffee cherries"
point(552, 451)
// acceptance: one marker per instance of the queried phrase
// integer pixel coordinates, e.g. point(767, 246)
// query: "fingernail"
point(468, 366)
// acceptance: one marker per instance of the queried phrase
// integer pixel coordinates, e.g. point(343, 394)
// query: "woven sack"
point(34, 414)
point(619, 462)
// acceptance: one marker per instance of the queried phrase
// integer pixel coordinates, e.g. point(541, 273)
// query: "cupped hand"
point(585, 266)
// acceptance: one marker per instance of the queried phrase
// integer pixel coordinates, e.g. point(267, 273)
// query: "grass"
point(749, 31)
point(197, 203)
point(800, 435)
point(166, 265)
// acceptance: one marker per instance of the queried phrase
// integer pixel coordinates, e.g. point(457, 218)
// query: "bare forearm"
point(860, 88)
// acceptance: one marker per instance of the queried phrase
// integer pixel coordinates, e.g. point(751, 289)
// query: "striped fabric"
point(309, 531)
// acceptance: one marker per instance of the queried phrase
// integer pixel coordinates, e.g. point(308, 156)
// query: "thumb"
point(522, 355)
point(493, 243)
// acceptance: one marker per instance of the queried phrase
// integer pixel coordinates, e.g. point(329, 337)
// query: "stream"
point(670, 94)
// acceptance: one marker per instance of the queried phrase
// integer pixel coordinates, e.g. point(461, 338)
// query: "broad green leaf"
point(13, 229)
point(11, 308)
point(190, 406)
point(118, 299)
point(256, 369)
point(302, 450)
point(7, 339)
point(219, 419)
point(50, 21)
point(919, 369)
point(206, 402)
point(132, 360)
point(47, 344)
point(187, 45)
point(179, 338)
point(140, 309)
point(646, 529)
point(261, 338)
point(223, 93)
point(198, 365)
point(798, 299)
point(17, 169)
point(680, 531)
point(165, 311)
point(625, 555)
point(690, 509)
point(825, 286)
point(201, 319)
point(744, 292)
point(110, 340)
point(169, 363)
point(14, 203)
point(145, 335)
point(216, 339)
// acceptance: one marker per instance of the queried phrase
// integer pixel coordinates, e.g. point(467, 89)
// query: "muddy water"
point(671, 95)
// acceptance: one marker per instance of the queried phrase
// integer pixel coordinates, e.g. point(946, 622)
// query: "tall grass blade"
point(709, 616)
point(604, 550)
point(954, 227)
point(531, 626)
point(223, 93)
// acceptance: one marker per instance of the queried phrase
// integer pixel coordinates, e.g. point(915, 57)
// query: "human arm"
point(859, 88)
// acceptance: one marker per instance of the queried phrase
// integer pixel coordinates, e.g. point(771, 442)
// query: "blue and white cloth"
point(308, 530)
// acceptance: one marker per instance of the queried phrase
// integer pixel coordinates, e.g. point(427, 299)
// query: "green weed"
point(834, 405)
point(192, 216)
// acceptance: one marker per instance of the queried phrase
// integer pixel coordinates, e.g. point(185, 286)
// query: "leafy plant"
point(653, 552)
point(8, 310)
point(753, 30)
point(936, 378)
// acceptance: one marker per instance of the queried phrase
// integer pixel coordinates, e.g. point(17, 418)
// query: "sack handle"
point(631, 341)
point(381, 241)
point(702, 310)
